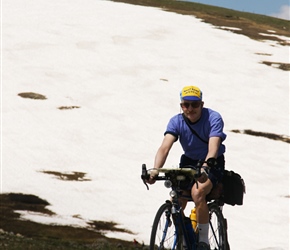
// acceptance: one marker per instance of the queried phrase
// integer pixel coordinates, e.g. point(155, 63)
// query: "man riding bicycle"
point(200, 133)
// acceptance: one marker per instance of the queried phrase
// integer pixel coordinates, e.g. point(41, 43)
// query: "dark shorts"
point(215, 175)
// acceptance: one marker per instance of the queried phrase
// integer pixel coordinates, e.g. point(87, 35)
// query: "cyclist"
point(200, 133)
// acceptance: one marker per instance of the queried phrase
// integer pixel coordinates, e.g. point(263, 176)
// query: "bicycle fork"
point(167, 225)
point(172, 214)
point(182, 238)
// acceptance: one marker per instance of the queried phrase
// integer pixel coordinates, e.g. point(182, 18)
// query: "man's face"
point(192, 109)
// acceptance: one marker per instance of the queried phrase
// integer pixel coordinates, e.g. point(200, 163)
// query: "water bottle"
point(192, 217)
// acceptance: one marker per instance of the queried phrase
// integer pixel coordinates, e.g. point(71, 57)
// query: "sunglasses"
point(192, 104)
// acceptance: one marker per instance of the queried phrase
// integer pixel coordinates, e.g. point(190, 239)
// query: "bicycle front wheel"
point(218, 228)
point(163, 234)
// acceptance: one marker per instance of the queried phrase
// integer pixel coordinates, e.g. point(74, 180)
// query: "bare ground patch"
point(272, 136)
point(36, 96)
point(32, 95)
point(258, 27)
point(16, 233)
point(68, 176)
point(263, 54)
point(279, 65)
point(107, 226)
point(68, 107)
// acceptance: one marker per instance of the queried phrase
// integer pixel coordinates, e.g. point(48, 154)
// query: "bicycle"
point(170, 230)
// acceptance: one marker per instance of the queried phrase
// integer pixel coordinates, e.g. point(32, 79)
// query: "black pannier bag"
point(233, 188)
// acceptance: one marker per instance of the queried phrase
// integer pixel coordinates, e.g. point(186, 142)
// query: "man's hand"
point(151, 180)
point(204, 173)
point(153, 175)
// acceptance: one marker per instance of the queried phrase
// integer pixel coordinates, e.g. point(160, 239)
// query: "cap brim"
point(191, 98)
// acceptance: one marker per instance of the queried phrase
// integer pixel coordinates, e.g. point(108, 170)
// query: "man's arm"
point(213, 147)
point(162, 153)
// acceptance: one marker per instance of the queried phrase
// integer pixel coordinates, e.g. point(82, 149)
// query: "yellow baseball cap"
point(191, 93)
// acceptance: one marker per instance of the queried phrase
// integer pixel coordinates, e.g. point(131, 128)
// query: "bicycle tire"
point(163, 233)
point(218, 239)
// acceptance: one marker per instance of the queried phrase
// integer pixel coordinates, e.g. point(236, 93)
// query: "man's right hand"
point(153, 175)
point(151, 180)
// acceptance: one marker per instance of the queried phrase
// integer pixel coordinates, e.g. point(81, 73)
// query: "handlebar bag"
point(233, 188)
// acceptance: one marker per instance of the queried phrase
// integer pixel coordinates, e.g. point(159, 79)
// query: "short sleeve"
point(173, 127)
point(217, 125)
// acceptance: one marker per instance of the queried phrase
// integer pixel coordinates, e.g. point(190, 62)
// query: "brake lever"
point(144, 175)
point(146, 184)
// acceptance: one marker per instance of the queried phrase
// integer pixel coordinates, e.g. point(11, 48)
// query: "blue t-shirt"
point(209, 125)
